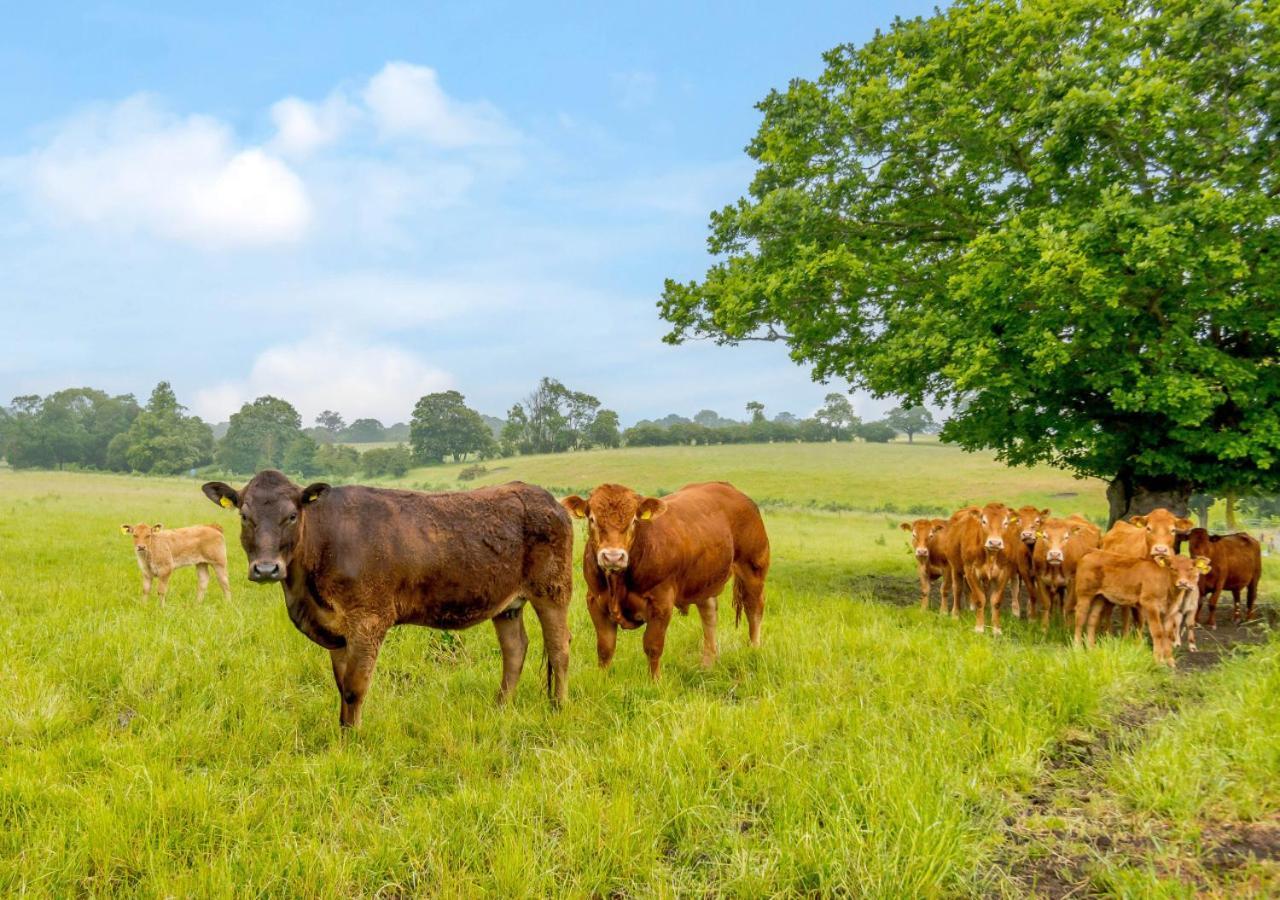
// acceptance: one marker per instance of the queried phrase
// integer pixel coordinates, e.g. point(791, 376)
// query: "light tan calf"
point(160, 551)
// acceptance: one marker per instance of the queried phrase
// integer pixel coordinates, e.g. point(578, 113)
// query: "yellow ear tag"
point(646, 515)
point(1202, 566)
point(224, 502)
point(124, 529)
point(1161, 561)
point(1040, 534)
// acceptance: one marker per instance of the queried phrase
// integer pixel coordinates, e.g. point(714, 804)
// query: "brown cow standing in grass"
point(1059, 548)
point(1153, 535)
point(354, 561)
point(979, 544)
point(1237, 565)
point(949, 545)
point(1019, 544)
point(647, 556)
point(1154, 585)
point(931, 563)
point(159, 551)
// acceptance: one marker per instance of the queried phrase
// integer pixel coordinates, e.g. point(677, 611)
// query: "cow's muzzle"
point(1160, 550)
point(1053, 557)
point(995, 543)
point(1028, 537)
point(612, 559)
point(922, 552)
point(266, 571)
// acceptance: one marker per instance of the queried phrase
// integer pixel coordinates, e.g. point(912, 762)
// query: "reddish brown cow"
point(1020, 542)
point(1060, 546)
point(981, 547)
point(1237, 565)
point(159, 551)
point(1153, 585)
point(648, 556)
point(354, 561)
point(1154, 535)
point(949, 546)
point(931, 564)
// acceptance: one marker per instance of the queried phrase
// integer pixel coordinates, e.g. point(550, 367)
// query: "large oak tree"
point(1059, 218)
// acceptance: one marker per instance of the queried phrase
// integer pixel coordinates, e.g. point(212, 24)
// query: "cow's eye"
point(293, 517)
point(984, 520)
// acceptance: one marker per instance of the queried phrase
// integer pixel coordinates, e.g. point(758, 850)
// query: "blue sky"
point(349, 205)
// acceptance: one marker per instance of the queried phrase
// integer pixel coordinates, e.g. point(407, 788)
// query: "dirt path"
point(1067, 825)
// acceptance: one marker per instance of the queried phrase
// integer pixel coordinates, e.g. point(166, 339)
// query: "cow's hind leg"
point(1251, 597)
point(1235, 606)
point(748, 594)
point(220, 572)
point(514, 642)
point(202, 580)
point(162, 586)
point(710, 649)
point(552, 607)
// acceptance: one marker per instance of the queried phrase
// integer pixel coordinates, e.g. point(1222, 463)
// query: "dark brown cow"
point(1237, 565)
point(1059, 547)
point(647, 556)
point(1154, 585)
point(1019, 545)
point(354, 561)
point(931, 563)
point(981, 546)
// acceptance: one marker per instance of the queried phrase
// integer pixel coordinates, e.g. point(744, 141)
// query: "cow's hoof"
point(977, 629)
point(996, 631)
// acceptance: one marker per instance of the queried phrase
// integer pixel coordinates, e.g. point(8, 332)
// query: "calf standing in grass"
point(1153, 586)
point(1237, 566)
point(1060, 545)
point(648, 556)
point(159, 551)
point(354, 561)
point(923, 537)
point(1019, 545)
point(978, 547)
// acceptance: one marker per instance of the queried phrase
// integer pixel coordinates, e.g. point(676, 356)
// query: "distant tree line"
point(89, 429)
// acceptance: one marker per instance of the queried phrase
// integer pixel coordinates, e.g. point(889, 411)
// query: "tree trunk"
point(1133, 495)
point(1231, 511)
point(910, 436)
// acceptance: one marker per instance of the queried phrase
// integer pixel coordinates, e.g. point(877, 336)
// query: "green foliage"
point(876, 432)
point(70, 427)
point(363, 431)
point(259, 436)
point(444, 426)
point(1062, 213)
point(300, 456)
point(604, 431)
point(331, 422)
point(554, 419)
point(338, 461)
point(162, 440)
point(386, 462)
point(910, 420)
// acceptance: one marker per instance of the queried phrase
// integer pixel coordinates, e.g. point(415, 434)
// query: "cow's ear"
point(126, 529)
point(222, 494)
point(1044, 513)
point(1182, 526)
point(156, 527)
point(905, 526)
point(1076, 529)
point(576, 505)
point(1140, 521)
point(651, 507)
point(313, 492)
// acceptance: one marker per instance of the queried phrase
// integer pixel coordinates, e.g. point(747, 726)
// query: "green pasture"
point(868, 748)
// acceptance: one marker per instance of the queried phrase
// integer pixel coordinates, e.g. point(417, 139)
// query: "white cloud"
point(133, 167)
point(303, 127)
point(406, 101)
point(330, 371)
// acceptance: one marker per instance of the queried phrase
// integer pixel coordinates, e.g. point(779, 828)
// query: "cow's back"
point(1126, 539)
point(1236, 557)
point(177, 547)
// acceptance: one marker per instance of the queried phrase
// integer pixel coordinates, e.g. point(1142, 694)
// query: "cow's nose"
point(922, 551)
point(1054, 556)
point(1159, 549)
point(264, 571)
point(1029, 536)
point(613, 558)
point(995, 543)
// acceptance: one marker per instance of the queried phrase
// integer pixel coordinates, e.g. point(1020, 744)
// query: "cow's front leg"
point(978, 597)
point(514, 642)
point(146, 585)
point(710, 649)
point(996, 596)
point(362, 656)
point(606, 630)
point(655, 637)
point(338, 659)
point(162, 587)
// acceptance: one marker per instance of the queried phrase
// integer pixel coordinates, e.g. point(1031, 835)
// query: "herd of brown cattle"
point(1068, 565)
point(354, 561)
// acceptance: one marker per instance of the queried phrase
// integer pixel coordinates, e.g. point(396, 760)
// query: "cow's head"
point(994, 519)
point(141, 535)
point(1162, 526)
point(1054, 534)
point(613, 513)
point(1026, 522)
point(1187, 571)
point(920, 533)
point(271, 508)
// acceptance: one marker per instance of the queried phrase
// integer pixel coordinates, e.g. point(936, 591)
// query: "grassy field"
point(867, 748)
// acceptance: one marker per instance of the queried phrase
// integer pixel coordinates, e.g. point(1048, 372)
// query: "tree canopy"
point(259, 436)
point(1063, 213)
point(443, 425)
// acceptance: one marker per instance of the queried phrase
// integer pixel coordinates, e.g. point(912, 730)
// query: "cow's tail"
point(739, 600)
